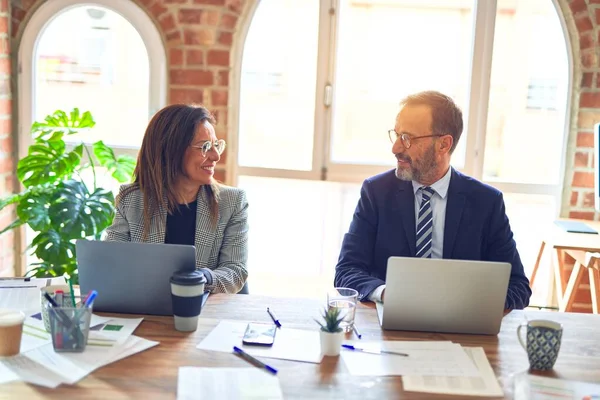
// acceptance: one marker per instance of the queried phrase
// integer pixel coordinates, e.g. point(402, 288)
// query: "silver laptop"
point(453, 296)
point(129, 277)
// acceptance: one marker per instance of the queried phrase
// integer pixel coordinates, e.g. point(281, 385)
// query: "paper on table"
point(22, 298)
point(484, 385)
point(425, 358)
point(290, 344)
point(34, 335)
point(6, 374)
point(227, 384)
point(42, 366)
point(540, 388)
point(114, 329)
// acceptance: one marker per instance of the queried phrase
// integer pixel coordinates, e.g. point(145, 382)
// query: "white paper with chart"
point(424, 358)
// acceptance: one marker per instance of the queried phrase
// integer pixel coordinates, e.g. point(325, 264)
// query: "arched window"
point(320, 85)
point(102, 56)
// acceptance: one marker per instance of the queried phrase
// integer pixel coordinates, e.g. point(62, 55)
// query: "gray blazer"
point(222, 251)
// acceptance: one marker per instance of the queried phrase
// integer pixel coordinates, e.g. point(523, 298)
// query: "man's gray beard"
point(404, 174)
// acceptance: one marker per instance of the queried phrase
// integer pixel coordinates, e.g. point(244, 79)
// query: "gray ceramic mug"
point(542, 343)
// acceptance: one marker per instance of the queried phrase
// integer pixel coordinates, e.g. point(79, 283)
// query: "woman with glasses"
point(175, 199)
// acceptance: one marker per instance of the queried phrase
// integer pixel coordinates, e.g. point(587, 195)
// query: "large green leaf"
point(33, 208)
point(59, 121)
point(45, 269)
point(76, 213)
point(48, 162)
point(53, 247)
point(121, 168)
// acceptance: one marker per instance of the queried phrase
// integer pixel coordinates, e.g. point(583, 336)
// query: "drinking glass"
point(343, 299)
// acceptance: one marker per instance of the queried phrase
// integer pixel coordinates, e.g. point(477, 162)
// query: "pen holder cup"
point(51, 290)
point(69, 328)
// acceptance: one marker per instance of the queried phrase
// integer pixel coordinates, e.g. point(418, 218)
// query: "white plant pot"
point(331, 343)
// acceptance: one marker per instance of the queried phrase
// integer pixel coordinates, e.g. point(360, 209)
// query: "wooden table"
point(153, 373)
point(562, 243)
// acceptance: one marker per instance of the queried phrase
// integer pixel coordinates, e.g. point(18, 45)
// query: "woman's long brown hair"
point(160, 161)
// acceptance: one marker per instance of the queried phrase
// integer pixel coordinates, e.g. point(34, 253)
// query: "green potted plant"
point(55, 201)
point(332, 334)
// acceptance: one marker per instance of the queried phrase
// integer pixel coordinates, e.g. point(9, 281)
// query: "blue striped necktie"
point(425, 223)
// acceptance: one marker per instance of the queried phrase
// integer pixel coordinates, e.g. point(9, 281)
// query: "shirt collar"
point(440, 187)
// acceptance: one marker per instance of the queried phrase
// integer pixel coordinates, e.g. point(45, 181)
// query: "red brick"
point(191, 77)
point(228, 21)
point(204, 37)
point(587, 79)
point(186, 96)
point(6, 165)
point(157, 9)
point(17, 13)
point(5, 66)
point(225, 38)
point(597, 15)
point(583, 179)
point(589, 215)
point(221, 58)
point(5, 126)
point(585, 139)
point(589, 59)
point(210, 2)
point(210, 17)
point(174, 1)
point(574, 196)
point(174, 37)
point(175, 57)
point(194, 57)
point(4, 46)
point(220, 116)
point(3, 25)
point(594, 1)
point(581, 159)
point(5, 106)
point(578, 6)
point(589, 100)
point(586, 41)
point(6, 145)
point(235, 5)
point(167, 23)
point(146, 3)
point(190, 16)
point(223, 78)
point(588, 199)
point(9, 183)
point(3, 5)
point(584, 24)
point(218, 98)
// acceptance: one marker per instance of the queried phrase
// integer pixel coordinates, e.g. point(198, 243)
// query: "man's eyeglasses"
point(406, 138)
point(218, 145)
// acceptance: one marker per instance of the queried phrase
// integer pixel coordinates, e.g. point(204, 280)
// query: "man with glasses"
point(425, 208)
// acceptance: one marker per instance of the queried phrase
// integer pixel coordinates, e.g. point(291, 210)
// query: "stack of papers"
point(542, 388)
point(431, 367)
point(227, 384)
point(110, 340)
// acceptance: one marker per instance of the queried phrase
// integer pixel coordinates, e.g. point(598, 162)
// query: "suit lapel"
point(205, 234)
point(160, 221)
point(405, 208)
point(454, 210)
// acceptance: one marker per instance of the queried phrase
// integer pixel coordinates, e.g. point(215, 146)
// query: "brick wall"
point(7, 241)
point(578, 201)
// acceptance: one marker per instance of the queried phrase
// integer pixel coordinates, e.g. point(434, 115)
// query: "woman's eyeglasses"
point(218, 145)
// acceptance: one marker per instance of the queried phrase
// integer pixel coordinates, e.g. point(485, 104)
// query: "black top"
point(181, 225)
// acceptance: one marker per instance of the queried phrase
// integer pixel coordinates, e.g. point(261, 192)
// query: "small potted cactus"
point(332, 335)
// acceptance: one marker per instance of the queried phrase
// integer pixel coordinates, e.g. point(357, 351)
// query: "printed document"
point(424, 358)
point(227, 384)
point(484, 385)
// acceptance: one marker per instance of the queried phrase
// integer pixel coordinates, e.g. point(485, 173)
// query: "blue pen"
point(90, 298)
point(374, 351)
point(275, 320)
point(253, 360)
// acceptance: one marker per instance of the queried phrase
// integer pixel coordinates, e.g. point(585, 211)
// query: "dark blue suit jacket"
point(383, 225)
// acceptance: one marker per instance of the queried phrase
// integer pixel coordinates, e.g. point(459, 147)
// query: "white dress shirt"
point(438, 208)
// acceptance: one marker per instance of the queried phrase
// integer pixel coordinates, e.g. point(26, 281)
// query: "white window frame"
point(476, 124)
point(40, 19)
